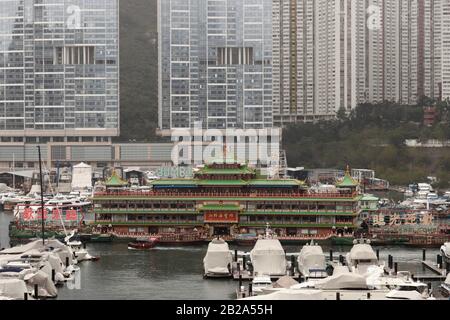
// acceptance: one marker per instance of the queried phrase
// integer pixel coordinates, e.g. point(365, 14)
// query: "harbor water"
point(174, 273)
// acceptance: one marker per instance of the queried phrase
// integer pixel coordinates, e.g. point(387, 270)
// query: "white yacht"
point(58, 202)
point(445, 252)
point(218, 259)
point(268, 256)
point(79, 253)
point(445, 287)
point(311, 261)
point(260, 283)
point(361, 257)
point(346, 285)
point(38, 264)
point(409, 291)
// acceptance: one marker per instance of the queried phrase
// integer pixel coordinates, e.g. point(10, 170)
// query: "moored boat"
point(311, 261)
point(143, 243)
point(101, 238)
point(246, 239)
point(218, 260)
point(268, 256)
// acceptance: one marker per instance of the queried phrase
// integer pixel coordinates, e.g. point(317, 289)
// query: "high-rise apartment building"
point(215, 64)
point(412, 50)
point(332, 54)
point(319, 58)
point(445, 45)
point(59, 70)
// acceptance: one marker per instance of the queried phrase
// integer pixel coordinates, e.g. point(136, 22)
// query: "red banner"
point(28, 214)
point(39, 213)
point(56, 214)
point(71, 215)
point(221, 217)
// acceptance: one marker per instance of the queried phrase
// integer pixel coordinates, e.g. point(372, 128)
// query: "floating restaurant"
point(228, 200)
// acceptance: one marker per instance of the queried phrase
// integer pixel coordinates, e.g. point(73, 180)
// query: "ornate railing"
point(321, 195)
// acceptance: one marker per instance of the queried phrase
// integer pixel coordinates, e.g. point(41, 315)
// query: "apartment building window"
point(235, 56)
point(74, 55)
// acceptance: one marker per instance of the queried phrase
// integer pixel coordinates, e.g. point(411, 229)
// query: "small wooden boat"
point(143, 243)
point(248, 239)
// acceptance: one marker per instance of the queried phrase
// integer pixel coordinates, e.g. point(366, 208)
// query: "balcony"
point(149, 223)
point(233, 195)
point(143, 211)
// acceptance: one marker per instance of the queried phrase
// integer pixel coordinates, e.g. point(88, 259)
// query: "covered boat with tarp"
point(361, 257)
point(13, 289)
point(342, 281)
point(218, 259)
point(311, 261)
point(268, 258)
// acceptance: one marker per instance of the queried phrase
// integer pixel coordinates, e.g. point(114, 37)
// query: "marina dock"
point(241, 274)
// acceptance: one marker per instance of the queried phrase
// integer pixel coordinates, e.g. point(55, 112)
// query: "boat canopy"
point(218, 257)
point(268, 257)
point(311, 257)
point(362, 252)
point(347, 280)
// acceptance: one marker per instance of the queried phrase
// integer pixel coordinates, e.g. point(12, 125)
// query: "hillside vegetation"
point(373, 136)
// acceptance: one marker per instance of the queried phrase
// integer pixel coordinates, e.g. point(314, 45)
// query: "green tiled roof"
point(219, 207)
point(115, 181)
point(347, 182)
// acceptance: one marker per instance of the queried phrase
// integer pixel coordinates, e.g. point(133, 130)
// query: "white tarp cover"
point(46, 286)
point(12, 288)
point(446, 249)
point(218, 257)
point(268, 257)
point(34, 245)
point(361, 252)
point(285, 282)
point(288, 294)
point(447, 281)
point(342, 281)
point(59, 250)
point(311, 257)
point(35, 188)
point(81, 176)
point(4, 188)
point(340, 269)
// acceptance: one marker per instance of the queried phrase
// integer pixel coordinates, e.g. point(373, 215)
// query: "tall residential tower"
point(59, 70)
point(215, 64)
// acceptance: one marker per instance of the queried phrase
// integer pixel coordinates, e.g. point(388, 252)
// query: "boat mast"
point(42, 194)
point(14, 171)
